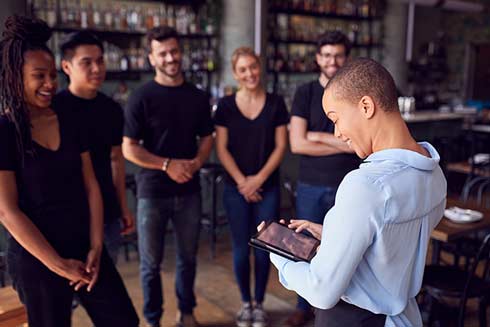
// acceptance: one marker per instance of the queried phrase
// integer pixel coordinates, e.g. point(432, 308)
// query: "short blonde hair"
point(240, 52)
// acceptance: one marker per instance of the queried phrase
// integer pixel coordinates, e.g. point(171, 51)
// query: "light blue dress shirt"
point(375, 238)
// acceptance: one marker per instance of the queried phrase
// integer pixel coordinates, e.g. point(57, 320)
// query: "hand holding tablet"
point(279, 239)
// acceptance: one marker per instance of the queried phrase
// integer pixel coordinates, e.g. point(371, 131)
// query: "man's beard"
point(162, 70)
point(328, 75)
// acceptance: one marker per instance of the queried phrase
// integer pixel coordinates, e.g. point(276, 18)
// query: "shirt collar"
point(411, 158)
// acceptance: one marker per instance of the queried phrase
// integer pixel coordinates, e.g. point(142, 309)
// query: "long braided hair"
point(21, 34)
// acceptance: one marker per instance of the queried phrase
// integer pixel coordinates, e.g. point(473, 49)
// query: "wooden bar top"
point(447, 230)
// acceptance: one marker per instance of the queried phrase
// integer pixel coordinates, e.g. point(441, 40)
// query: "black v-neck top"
point(251, 141)
point(50, 187)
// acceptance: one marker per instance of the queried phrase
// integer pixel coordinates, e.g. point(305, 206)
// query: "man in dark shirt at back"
point(164, 119)
point(102, 121)
point(325, 160)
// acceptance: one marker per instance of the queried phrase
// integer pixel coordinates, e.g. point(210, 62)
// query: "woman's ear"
point(367, 107)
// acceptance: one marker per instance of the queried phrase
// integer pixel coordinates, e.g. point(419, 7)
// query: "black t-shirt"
point(319, 170)
point(50, 187)
point(168, 120)
point(101, 118)
point(251, 142)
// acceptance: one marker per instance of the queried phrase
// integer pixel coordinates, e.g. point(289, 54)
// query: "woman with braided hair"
point(50, 201)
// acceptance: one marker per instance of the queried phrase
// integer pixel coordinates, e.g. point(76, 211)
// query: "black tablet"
point(279, 239)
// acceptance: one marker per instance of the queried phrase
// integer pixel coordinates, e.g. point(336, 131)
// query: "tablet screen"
point(282, 237)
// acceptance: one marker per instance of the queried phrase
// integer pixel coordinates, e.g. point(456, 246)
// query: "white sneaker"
point(259, 316)
point(244, 316)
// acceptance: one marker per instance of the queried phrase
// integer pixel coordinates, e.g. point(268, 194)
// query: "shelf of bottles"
point(339, 9)
point(122, 26)
point(295, 26)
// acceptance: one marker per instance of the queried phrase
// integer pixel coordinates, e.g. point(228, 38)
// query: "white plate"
point(459, 215)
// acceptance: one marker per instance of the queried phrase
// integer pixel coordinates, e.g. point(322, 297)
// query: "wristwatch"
point(166, 162)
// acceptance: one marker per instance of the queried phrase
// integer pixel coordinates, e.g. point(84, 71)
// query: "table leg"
point(213, 216)
point(436, 252)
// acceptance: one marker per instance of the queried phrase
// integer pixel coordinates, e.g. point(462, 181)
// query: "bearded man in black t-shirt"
point(164, 119)
point(324, 159)
point(101, 120)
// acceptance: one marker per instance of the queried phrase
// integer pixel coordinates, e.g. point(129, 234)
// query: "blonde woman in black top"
point(250, 142)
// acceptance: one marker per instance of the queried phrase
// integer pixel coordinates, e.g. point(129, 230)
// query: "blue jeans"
point(312, 203)
point(113, 239)
point(243, 218)
point(153, 215)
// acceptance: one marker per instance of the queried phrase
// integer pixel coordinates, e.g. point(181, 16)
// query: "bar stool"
point(130, 240)
point(212, 174)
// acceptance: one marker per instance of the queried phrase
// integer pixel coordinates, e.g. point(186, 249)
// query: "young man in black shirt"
point(102, 121)
point(164, 119)
point(325, 160)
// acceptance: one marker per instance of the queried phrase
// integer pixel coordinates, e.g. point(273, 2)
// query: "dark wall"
point(10, 7)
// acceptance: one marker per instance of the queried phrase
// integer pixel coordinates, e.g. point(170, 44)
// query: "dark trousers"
point(312, 203)
point(153, 216)
point(345, 314)
point(244, 217)
point(48, 297)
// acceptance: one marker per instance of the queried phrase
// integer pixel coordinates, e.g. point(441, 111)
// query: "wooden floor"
point(218, 297)
point(217, 294)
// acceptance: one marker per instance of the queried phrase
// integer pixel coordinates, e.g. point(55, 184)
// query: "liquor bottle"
point(73, 14)
point(108, 17)
point(170, 16)
point(156, 17)
point(141, 59)
point(353, 33)
point(63, 12)
point(332, 6)
point(133, 58)
point(163, 15)
point(192, 21)
point(185, 59)
point(211, 64)
point(90, 15)
point(39, 8)
point(139, 21)
point(149, 19)
point(125, 12)
point(51, 13)
point(124, 63)
point(117, 17)
point(180, 21)
point(97, 17)
point(83, 16)
point(364, 9)
point(133, 19)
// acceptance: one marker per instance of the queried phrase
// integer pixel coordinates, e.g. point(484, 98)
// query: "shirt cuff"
point(280, 263)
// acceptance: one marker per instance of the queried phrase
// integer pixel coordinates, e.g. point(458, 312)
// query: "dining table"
point(448, 231)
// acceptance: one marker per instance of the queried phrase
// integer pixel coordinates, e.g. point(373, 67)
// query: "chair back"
point(483, 256)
